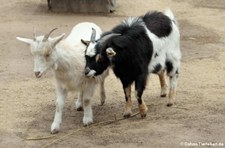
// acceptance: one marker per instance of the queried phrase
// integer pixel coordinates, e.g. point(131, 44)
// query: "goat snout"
point(90, 73)
point(87, 70)
point(37, 74)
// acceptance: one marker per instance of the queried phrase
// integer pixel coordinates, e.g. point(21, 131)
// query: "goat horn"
point(93, 35)
point(105, 38)
point(47, 35)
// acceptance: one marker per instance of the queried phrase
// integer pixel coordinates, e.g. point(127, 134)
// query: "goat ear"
point(56, 40)
point(85, 42)
point(25, 40)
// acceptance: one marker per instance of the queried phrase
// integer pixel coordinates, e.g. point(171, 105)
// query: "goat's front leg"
point(102, 92)
point(128, 107)
point(162, 79)
point(139, 88)
point(61, 95)
point(79, 102)
point(88, 115)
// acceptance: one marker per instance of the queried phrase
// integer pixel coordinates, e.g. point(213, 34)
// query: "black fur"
point(100, 66)
point(133, 49)
point(158, 23)
point(157, 68)
point(169, 66)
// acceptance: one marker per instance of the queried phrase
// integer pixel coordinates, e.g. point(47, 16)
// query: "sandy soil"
point(27, 104)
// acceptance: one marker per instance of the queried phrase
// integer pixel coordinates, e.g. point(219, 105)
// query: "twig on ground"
point(40, 137)
point(92, 125)
point(179, 107)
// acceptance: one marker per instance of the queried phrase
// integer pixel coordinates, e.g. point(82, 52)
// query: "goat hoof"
point(54, 129)
point(169, 104)
point(163, 95)
point(80, 108)
point(143, 115)
point(87, 121)
point(87, 124)
point(143, 110)
point(126, 115)
point(102, 102)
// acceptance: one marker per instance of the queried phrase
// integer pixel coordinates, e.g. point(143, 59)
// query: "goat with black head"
point(135, 48)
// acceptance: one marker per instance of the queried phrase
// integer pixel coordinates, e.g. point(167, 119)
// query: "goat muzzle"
point(86, 71)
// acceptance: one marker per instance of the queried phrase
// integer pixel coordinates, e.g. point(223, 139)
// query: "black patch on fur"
point(156, 54)
point(157, 68)
point(177, 72)
point(158, 23)
point(99, 66)
point(140, 84)
point(169, 66)
point(133, 50)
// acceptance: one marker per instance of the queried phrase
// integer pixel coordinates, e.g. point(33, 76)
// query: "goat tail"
point(168, 12)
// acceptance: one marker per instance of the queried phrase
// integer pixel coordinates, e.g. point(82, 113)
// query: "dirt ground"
point(27, 104)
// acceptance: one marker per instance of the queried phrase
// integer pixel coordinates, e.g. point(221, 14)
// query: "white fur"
point(91, 50)
point(167, 48)
point(83, 31)
point(66, 59)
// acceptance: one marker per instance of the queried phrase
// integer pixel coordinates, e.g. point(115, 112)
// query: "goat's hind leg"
point(102, 92)
point(127, 91)
point(164, 87)
point(79, 102)
point(173, 85)
point(139, 88)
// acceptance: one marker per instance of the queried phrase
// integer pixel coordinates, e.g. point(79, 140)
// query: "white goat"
point(66, 59)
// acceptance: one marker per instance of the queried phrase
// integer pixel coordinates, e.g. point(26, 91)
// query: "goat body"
point(138, 46)
point(66, 59)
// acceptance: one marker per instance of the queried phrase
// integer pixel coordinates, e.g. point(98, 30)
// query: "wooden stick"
point(40, 137)
point(92, 125)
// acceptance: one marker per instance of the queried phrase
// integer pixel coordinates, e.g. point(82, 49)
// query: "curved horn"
point(105, 38)
point(93, 35)
point(47, 35)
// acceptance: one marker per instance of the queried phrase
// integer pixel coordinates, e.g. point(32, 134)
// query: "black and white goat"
point(66, 58)
point(135, 48)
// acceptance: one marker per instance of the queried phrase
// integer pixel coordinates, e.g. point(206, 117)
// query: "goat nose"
point(87, 70)
point(37, 73)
